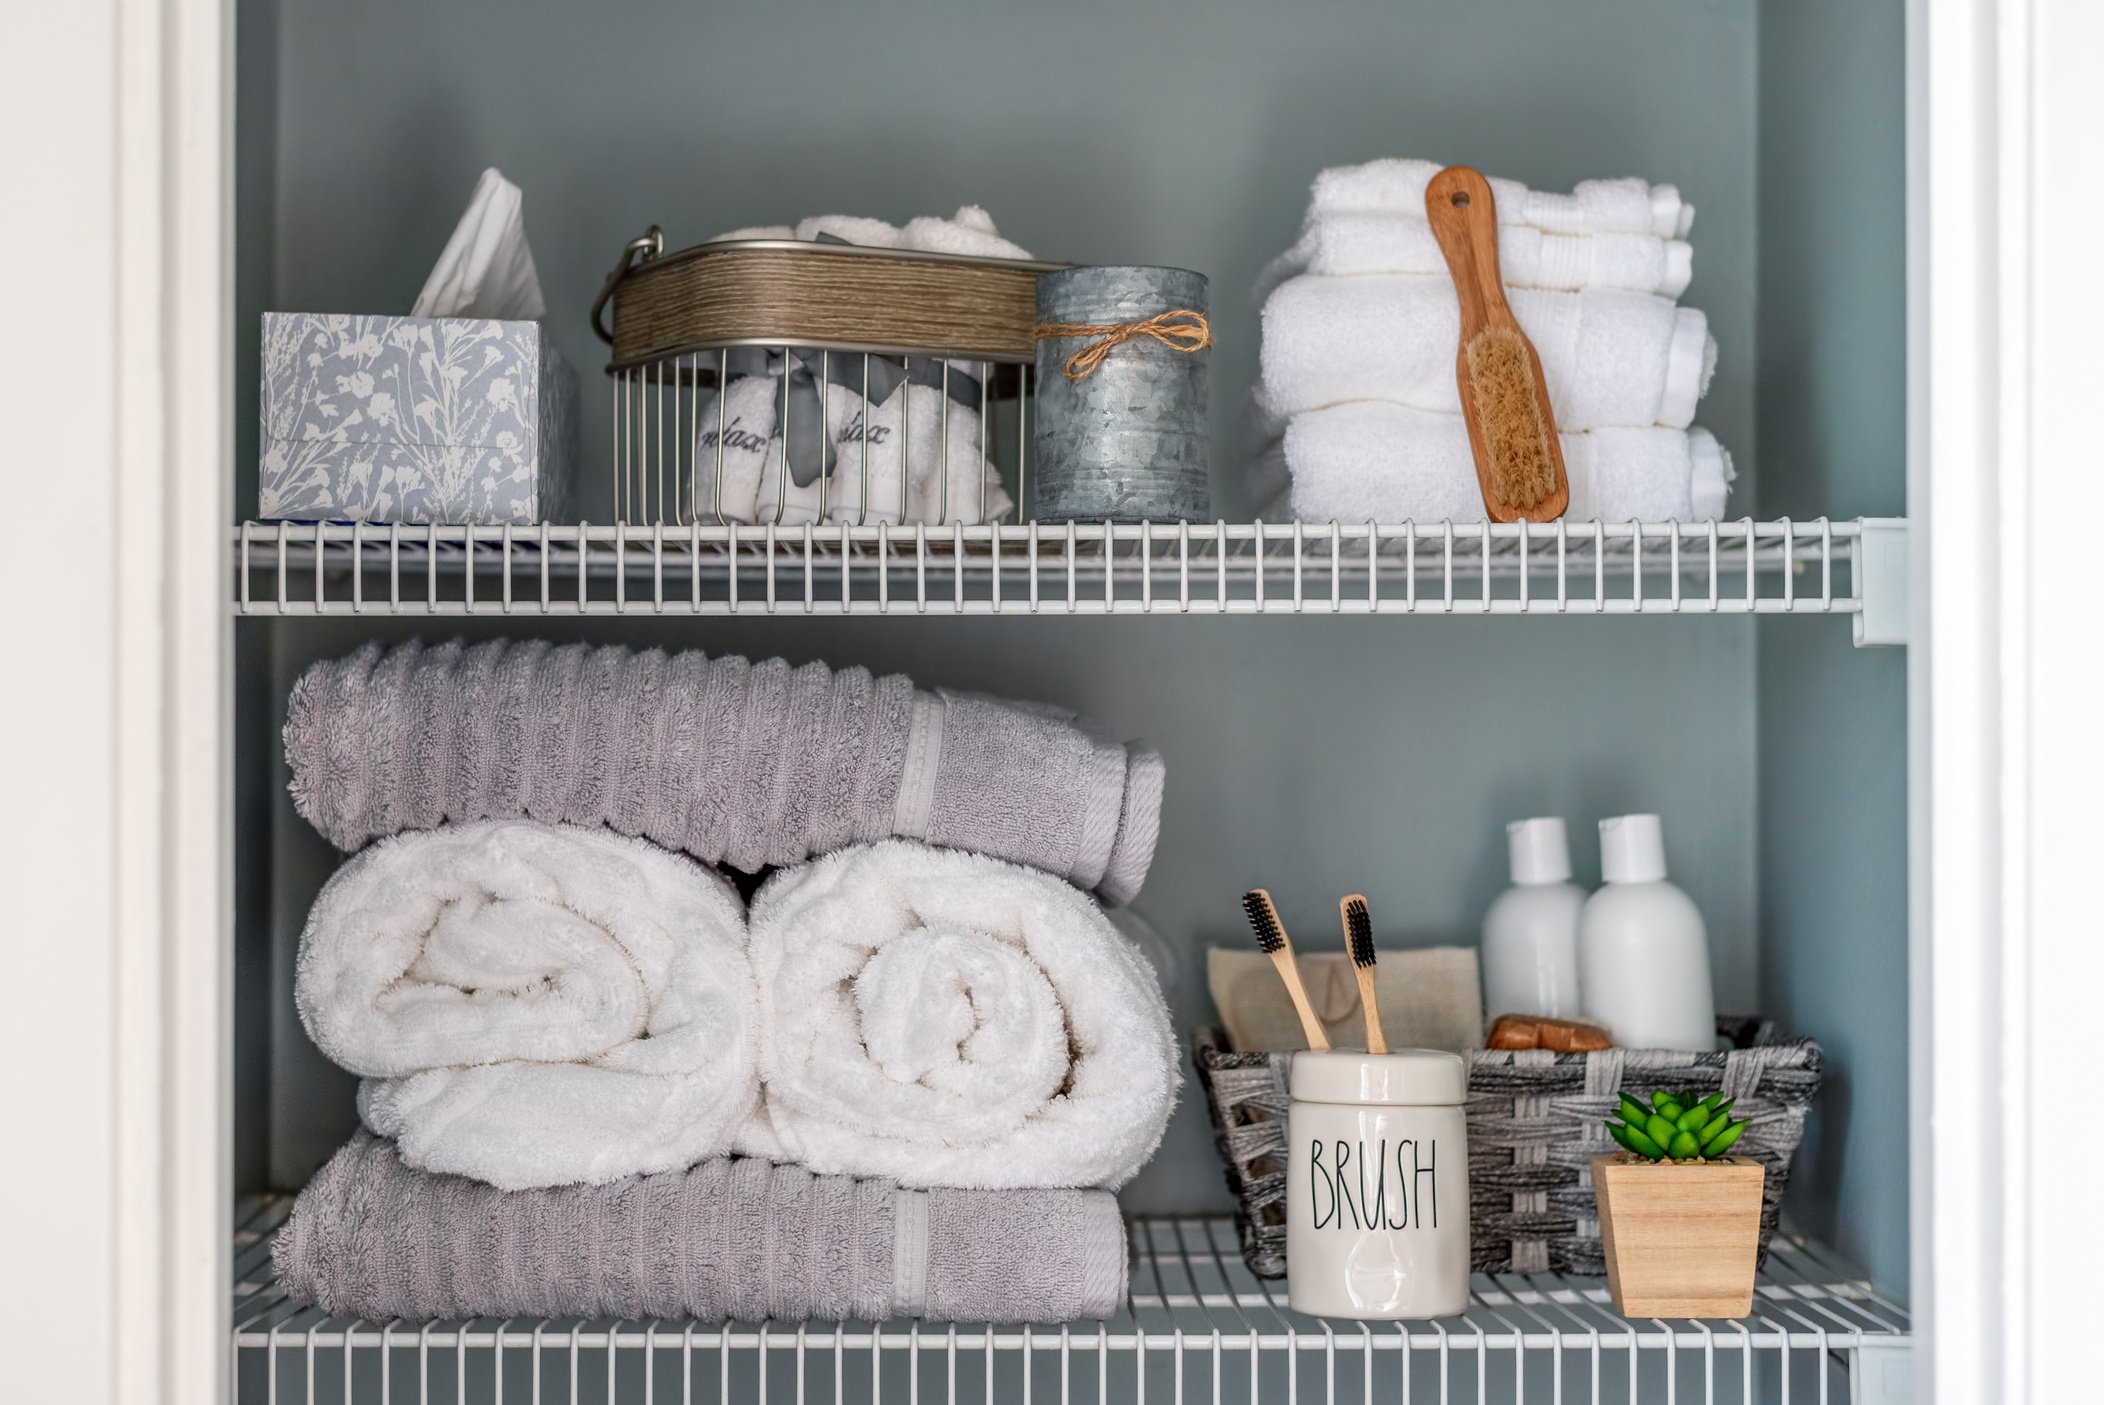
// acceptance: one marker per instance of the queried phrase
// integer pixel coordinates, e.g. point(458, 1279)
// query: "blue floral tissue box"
point(415, 419)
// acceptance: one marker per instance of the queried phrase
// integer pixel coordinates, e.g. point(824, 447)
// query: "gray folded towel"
point(740, 1240)
point(737, 763)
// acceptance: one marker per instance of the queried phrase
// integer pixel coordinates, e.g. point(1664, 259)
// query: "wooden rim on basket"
point(832, 297)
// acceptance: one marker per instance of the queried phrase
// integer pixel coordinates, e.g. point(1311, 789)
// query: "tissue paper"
point(487, 269)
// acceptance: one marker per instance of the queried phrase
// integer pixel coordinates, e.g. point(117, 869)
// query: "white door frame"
point(2004, 110)
point(115, 950)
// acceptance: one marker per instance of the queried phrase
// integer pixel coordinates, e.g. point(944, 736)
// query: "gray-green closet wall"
point(1312, 755)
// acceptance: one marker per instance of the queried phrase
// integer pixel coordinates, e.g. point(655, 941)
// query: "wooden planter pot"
point(1681, 1237)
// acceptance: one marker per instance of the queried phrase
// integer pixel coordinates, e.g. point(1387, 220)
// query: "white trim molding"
point(2006, 758)
point(116, 398)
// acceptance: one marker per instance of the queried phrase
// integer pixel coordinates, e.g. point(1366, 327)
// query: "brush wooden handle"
point(1289, 972)
point(1376, 1041)
point(1464, 218)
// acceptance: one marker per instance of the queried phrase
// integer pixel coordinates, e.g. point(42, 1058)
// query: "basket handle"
point(649, 245)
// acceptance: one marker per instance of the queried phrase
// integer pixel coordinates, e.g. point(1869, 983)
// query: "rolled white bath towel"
point(1350, 242)
point(1609, 357)
point(1375, 462)
point(909, 426)
point(535, 1005)
point(949, 1020)
point(1397, 185)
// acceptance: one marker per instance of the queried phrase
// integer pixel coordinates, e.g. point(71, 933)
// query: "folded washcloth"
point(1350, 242)
point(1609, 357)
point(942, 439)
point(970, 233)
point(734, 762)
point(534, 1004)
point(945, 1019)
point(1371, 461)
point(1397, 186)
point(726, 1240)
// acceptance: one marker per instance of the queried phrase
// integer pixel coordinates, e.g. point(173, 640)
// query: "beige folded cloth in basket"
point(1431, 998)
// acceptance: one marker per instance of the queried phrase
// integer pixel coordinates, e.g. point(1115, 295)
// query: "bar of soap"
point(1541, 1032)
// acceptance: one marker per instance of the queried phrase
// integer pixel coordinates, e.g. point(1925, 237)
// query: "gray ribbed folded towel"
point(739, 1240)
point(735, 762)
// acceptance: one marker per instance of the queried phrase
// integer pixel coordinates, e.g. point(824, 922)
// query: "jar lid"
point(1401, 1078)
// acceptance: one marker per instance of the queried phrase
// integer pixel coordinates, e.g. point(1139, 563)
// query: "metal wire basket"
point(1535, 1119)
point(777, 383)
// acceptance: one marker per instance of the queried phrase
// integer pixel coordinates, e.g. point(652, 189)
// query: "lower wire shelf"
point(1197, 1326)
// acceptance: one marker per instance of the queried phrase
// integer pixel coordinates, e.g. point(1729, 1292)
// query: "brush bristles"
point(1358, 927)
point(1516, 442)
point(1263, 920)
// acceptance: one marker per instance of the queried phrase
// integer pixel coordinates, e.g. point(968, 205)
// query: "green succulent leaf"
point(1708, 1130)
point(1621, 1135)
point(1665, 1105)
point(1661, 1129)
point(1684, 1145)
point(1634, 1112)
point(1722, 1142)
point(1643, 1145)
point(1693, 1118)
point(1711, 1101)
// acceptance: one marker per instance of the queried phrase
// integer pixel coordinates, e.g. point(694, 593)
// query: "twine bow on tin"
point(1181, 330)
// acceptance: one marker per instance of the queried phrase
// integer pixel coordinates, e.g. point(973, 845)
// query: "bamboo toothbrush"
point(1358, 933)
point(1519, 460)
point(1271, 937)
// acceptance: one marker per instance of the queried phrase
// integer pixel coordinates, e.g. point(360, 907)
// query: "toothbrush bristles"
point(1358, 927)
point(1263, 920)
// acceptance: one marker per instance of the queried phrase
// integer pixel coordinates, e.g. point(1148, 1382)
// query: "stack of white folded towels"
point(1358, 416)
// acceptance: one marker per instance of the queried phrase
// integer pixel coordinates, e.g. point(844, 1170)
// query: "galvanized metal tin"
point(1128, 442)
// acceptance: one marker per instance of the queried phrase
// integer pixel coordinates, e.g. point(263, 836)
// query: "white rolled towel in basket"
point(944, 1019)
point(849, 472)
point(535, 1005)
point(881, 414)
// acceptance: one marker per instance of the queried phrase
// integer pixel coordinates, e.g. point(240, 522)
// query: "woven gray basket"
point(1534, 1121)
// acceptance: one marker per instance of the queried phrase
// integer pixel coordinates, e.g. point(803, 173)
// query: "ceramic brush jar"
point(1377, 1185)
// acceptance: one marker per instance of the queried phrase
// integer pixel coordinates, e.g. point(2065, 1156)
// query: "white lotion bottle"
point(1530, 934)
point(1643, 951)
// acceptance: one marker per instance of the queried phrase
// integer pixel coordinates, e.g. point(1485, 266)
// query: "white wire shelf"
point(1736, 567)
point(1198, 1326)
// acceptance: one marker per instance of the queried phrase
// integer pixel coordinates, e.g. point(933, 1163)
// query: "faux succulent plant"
point(1669, 1129)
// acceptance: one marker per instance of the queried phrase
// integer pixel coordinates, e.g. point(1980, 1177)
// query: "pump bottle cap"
point(1632, 849)
point(1541, 852)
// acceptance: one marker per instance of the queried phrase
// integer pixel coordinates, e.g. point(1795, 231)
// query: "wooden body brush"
point(1272, 940)
point(1358, 936)
point(1519, 460)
